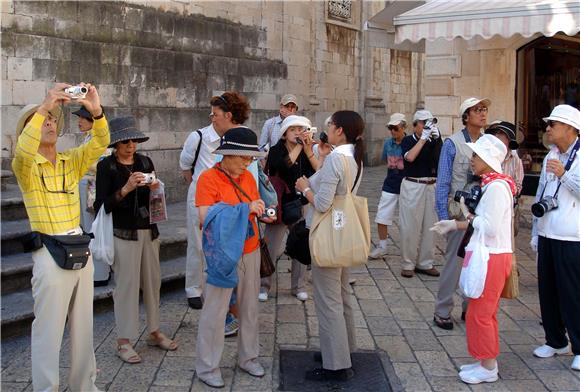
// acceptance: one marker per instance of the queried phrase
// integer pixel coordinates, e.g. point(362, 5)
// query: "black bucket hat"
point(508, 129)
point(83, 112)
point(125, 128)
point(240, 141)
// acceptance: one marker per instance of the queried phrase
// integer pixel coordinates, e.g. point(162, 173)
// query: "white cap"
point(289, 98)
point(566, 114)
point(422, 115)
point(491, 150)
point(471, 102)
point(396, 119)
point(294, 121)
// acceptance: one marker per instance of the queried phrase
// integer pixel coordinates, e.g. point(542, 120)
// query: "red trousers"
point(481, 318)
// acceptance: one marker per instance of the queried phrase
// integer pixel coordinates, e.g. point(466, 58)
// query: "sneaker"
point(546, 351)
point(469, 366)
point(478, 374)
point(213, 380)
point(253, 368)
point(378, 253)
point(232, 325)
point(576, 363)
point(302, 296)
point(263, 296)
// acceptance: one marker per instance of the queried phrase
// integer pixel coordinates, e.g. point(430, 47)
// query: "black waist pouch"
point(70, 252)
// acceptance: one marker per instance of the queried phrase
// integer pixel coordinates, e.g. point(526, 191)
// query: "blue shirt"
point(393, 155)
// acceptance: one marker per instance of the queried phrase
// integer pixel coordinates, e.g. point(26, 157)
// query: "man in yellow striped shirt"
point(49, 184)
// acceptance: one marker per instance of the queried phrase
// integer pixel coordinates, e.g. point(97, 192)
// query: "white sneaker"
point(546, 351)
point(263, 296)
point(469, 366)
point(302, 296)
point(576, 363)
point(253, 368)
point(478, 375)
point(378, 253)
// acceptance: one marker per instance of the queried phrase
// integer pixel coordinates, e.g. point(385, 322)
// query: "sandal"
point(443, 323)
point(162, 341)
point(128, 354)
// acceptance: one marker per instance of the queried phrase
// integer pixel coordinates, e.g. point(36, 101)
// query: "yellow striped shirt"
point(51, 206)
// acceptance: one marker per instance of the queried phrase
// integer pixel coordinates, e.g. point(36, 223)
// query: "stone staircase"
point(16, 267)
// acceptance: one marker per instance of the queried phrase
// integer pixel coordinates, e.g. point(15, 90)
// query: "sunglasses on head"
point(129, 140)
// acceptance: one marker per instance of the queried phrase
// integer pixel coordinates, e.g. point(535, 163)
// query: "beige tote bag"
point(341, 237)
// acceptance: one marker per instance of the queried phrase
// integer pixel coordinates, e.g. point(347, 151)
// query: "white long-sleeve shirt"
point(209, 142)
point(494, 216)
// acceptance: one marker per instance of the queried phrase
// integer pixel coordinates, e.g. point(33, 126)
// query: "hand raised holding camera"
point(54, 97)
point(91, 101)
point(135, 180)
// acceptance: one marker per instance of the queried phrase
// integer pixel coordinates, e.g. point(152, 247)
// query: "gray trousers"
point(195, 260)
point(275, 236)
point(449, 278)
point(335, 316)
point(210, 335)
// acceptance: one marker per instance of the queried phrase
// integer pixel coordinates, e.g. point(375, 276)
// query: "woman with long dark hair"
point(331, 285)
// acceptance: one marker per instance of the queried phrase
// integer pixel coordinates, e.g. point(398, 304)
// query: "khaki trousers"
point(416, 217)
point(449, 278)
point(335, 316)
point(195, 260)
point(210, 336)
point(59, 293)
point(136, 266)
point(275, 236)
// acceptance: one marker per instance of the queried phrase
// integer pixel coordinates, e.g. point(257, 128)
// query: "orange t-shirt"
point(213, 187)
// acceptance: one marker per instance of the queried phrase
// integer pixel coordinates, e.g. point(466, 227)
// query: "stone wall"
point(161, 61)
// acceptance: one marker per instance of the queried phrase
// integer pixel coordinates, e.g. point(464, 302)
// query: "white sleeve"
point(188, 153)
point(497, 198)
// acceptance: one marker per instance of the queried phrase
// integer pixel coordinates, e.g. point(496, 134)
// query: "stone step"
point(6, 178)
point(12, 205)
point(17, 307)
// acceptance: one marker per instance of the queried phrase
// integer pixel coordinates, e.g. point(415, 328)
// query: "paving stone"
point(134, 378)
point(383, 326)
point(498, 386)
point(418, 294)
point(367, 292)
point(406, 314)
point(290, 314)
point(187, 342)
point(374, 307)
point(524, 385)
point(422, 340)
point(536, 363)
point(107, 367)
point(291, 334)
point(511, 367)
point(13, 386)
point(435, 364)
point(413, 324)
point(381, 274)
point(455, 346)
point(396, 348)
point(175, 372)
point(157, 388)
point(447, 384)
point(411, 377)
point(364, 340)
point(560, 380)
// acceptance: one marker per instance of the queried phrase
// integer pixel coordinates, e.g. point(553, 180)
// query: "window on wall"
point(548, 75)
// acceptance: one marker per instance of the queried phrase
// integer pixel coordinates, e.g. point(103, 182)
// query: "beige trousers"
point(275, 236)
point(195, 260)
point(59, 293)
point(335, 316)
point(136, 266)
point(210, 336)
point(416, 216)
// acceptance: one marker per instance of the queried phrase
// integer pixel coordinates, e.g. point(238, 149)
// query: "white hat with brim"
point(471, 102)
point(565, 114)
point(29, 110)
point(491, 150)
point(396, 119)
point(294, 121)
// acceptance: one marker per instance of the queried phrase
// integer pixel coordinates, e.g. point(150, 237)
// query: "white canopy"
point(468, 18)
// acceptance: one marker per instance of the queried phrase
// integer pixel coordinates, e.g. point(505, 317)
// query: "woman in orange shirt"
point(230, 182)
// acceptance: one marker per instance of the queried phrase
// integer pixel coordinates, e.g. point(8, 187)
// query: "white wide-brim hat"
point(29, 110)
point(566, 114)
point(491, 150)
point(294, 121)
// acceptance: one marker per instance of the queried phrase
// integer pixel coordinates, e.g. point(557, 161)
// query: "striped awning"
point(467, 19)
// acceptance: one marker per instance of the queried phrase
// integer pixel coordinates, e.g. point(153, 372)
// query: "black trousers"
point(559, 289)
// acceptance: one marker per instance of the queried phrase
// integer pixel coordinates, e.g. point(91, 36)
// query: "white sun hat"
point(566, 114)
point(491, 150)
point(294, 121)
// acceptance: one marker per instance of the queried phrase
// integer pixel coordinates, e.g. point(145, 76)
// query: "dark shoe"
point(101, 283)
point(407, 273)
point(195, 302)
point(321, 374)
point(318, 357)
point(462, 316)
point(431, 271)
point(443, 323)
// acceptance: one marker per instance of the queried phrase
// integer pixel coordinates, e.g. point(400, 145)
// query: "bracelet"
point(306, 190)
point(310, 156)
point(100, 115)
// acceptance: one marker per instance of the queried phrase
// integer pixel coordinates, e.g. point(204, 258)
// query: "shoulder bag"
point(341, 236)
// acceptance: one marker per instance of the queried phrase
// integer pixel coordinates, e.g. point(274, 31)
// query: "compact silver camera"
point(269, 213)
point(547, 204)
point(149, 178)
point(77, 92)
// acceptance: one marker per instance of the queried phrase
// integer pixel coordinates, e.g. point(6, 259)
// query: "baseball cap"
point(289, 98)
point(471, 102)
point(566, 114)
point(396, 119)
point(506, 127)
point(422, 115)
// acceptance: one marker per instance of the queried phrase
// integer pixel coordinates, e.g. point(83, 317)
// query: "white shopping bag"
point(474, 270)
point(102, 246)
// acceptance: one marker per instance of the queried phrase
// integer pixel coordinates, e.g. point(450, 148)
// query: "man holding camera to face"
point(271, 129)
point(556, 235)
point(49, 184)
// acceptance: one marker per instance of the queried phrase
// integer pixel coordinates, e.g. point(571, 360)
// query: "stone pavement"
point(393, 318)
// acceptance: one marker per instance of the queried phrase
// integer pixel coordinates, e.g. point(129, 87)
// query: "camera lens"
point(538, 209)
point(84, 90)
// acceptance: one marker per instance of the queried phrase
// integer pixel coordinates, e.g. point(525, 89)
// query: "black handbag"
point(70, 252)
point(297, 245)
point(291, 211)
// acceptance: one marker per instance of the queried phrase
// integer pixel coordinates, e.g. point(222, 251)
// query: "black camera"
point(323, 137)
point(471, 198)
point(547, 204)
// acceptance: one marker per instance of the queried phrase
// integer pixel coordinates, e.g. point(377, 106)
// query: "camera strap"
point(566, 168)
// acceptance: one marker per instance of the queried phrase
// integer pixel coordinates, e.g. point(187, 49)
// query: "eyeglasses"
point(63, 191)
point(552, 123)
point(129, 140)
point(392, 127)
point(480, 109)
